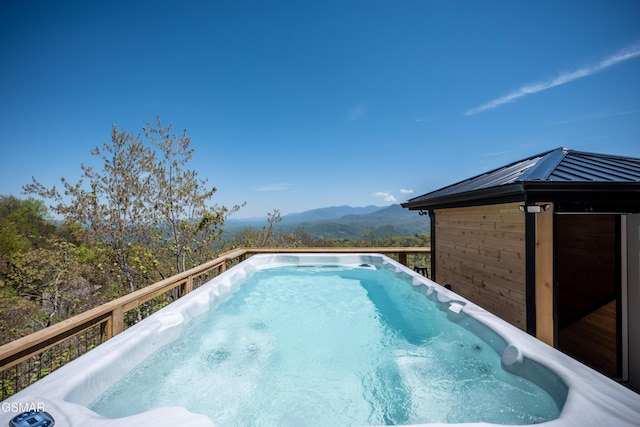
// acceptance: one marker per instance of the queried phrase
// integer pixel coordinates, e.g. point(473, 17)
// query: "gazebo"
point(550, 243)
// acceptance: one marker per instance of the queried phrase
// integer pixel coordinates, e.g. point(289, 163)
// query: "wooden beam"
point(544, 276)
point(21, 349)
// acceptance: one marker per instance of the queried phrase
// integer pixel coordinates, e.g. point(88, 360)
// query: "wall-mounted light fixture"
point(534, 208)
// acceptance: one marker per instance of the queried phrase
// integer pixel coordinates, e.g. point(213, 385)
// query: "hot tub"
point(92, 390)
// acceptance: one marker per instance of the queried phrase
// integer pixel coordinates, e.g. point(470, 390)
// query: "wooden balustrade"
point(111, 315)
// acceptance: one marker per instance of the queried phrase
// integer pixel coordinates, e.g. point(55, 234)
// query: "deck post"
point(402, 258)
point(117, 321)
point(106, 330)
point(187, 286)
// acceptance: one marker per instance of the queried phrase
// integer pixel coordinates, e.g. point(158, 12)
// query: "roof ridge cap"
point(545, 166)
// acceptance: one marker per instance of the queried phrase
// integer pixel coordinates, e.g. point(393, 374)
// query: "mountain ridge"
point(346, 222)
point(328, 213)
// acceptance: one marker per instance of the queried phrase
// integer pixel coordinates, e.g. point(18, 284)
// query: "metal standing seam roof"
point(559, 165)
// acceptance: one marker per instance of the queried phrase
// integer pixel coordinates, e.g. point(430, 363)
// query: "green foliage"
point(29, 217)
point(266, 236)
point(28, 248)
point(11, 241)
point(6, 388)
point(85, 255)
point(16, 314)
point(48, 276)
point(23, 225)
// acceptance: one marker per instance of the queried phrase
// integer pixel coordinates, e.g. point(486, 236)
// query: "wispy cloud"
point(357, 112)
point(274, 187)
point(386, 196)
point(495, 153)
point(403, 191)
point(531, 88)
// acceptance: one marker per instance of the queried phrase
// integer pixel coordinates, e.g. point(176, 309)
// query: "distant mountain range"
point(345, 222)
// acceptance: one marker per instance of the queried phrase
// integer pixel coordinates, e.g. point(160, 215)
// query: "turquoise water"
point(329, 346)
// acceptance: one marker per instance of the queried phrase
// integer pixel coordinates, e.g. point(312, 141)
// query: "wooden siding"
point(480, 252)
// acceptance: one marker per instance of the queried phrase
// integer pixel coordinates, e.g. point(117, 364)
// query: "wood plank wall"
point(480, 251)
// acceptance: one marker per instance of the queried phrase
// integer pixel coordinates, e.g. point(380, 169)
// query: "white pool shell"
point(586, 397)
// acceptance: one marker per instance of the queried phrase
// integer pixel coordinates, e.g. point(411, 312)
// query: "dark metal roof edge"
point(486, 173)
point(541, 171)
point(518, 190)
point(503, 191)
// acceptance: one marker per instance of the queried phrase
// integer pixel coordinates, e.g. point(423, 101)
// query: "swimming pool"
point(490, 368)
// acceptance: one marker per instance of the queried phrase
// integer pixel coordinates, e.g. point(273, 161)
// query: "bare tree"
point(143, 204)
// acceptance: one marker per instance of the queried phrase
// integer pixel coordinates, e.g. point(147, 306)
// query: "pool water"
point(328, 346)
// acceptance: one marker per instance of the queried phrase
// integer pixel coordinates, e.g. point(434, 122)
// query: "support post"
point(106, 329)
point(187, 286)
point(402, 258)
point(117, 321)
point(544, 276)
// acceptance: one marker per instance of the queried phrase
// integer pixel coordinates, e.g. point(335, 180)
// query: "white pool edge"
point(592, 398)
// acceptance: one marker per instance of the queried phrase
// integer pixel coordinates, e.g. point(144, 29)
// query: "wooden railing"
point(26, 359)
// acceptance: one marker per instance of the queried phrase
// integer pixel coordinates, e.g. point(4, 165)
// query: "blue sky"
point(298, 105)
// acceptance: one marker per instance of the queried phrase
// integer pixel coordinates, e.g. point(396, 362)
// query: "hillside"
point(345, 222)
point(325, 214)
